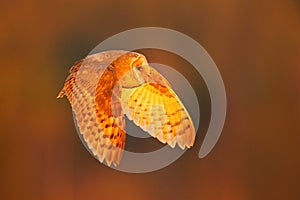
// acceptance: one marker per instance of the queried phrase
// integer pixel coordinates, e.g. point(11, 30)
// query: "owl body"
point(104, 87)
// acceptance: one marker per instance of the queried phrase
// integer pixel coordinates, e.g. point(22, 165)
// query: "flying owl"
point(104, 87)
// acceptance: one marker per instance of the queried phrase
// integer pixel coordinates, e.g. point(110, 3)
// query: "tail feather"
point(61, 94)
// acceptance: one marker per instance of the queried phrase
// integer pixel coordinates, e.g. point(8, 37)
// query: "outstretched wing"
point(110, 118)
point(157, 110)
point(92, 102)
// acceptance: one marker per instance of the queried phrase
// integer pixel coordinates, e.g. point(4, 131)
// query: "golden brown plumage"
point(103, 87)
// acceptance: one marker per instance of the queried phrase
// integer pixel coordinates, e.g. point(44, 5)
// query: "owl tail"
point(61, 94)
point(69, 83)
point(68, 87)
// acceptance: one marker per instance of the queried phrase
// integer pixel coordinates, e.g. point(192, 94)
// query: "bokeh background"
point(255, 44)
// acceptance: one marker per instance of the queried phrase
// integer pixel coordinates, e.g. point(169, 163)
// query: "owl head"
point(132, 70)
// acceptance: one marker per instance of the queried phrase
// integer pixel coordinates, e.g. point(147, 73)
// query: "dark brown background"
point(256, 45)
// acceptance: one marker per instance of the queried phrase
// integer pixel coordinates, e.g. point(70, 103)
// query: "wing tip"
point(185, 140)
point(109, 157)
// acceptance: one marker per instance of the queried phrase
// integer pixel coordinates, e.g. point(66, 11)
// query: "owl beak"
point(155, 77)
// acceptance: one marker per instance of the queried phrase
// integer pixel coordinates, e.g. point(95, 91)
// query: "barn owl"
point(105, 87)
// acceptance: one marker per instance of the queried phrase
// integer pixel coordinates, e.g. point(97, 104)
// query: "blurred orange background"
point(255, 44)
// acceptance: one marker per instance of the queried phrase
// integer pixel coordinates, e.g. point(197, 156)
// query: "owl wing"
point(93, 103)
point(157, 110)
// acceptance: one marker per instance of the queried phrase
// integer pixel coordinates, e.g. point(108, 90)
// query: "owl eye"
point(139, 68)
